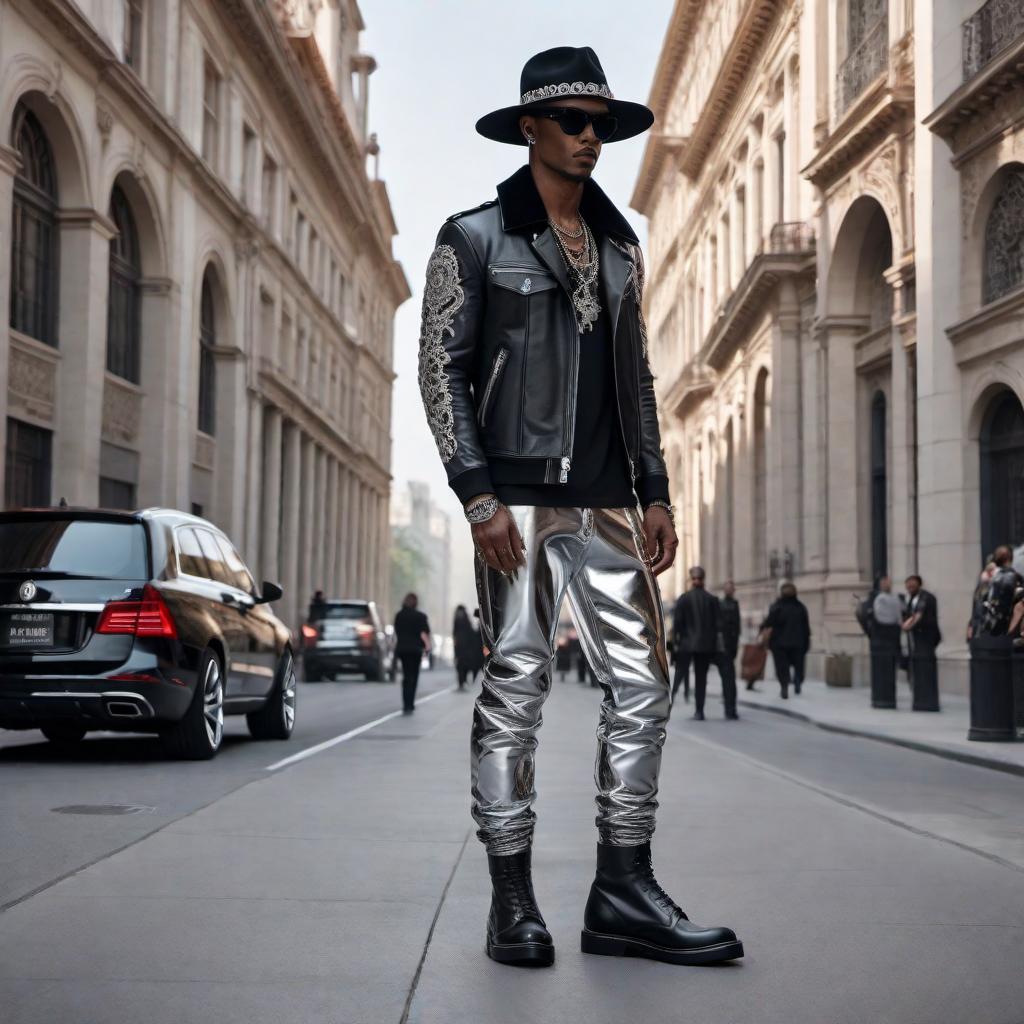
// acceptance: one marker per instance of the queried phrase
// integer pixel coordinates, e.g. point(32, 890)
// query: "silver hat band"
point(546, 92)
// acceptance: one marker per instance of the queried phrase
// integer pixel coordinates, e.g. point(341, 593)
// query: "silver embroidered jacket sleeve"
point(449, 332)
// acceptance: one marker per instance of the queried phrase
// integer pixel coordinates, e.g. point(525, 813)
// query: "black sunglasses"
point(573, 121)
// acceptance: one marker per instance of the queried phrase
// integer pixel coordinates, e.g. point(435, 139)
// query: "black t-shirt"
point(409, 624)
point(599, 468)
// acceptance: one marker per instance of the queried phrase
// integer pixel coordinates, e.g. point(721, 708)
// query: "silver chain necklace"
point(583, 267)
point(563, 232)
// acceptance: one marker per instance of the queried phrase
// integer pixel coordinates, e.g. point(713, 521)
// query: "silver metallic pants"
point(595, 556)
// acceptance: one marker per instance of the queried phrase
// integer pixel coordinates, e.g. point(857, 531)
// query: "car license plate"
point(27, 629)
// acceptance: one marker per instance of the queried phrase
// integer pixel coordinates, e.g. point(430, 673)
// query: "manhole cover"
point(103, 809)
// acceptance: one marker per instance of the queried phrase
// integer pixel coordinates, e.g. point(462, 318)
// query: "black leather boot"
point(629, 914)
point(516, 933)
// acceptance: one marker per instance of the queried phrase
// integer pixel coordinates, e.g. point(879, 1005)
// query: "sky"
point(441, 64)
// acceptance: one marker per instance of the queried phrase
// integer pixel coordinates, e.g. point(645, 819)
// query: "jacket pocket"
point(500, 359)
point(521, 278)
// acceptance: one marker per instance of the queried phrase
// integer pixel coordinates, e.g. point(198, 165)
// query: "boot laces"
point(521, 894)
point(651, 885)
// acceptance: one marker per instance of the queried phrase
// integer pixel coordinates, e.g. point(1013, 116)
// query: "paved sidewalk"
point(348, 888)
point(849, 710)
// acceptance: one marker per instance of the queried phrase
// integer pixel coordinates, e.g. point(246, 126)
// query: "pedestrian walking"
point(696, 630)
point(885, 631)
point(412, 638)
point(551, 452)
point(787, 630)
point(731, 623)
point(469, 652)
point(921, 624)
point(563, 656)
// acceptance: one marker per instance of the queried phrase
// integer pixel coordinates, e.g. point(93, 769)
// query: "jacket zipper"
point(569, 422)
point(499, 362)
point(618, 403)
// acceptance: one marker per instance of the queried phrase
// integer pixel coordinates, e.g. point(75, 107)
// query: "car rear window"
point(339, 611)
point(77, 547)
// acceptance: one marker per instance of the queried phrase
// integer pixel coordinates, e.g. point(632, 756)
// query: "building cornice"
point(980, 92)
point(871, 118)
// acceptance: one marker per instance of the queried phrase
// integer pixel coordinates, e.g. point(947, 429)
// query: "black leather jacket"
point(499, 345)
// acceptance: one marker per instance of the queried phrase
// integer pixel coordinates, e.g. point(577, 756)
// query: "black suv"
point(137, 621)
point(344, 636)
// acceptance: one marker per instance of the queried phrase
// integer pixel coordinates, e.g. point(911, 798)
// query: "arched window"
point(1002, 473)
point(1004, 239)
point(34, 244)
point(879, 489)
point(123, 327)
point(207, 364)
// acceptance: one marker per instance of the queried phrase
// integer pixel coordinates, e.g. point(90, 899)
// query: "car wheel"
point(64, 732)
point(197, 737)
point(313, 674)
point(276, 719)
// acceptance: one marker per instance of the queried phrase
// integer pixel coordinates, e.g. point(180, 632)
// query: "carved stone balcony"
point(989, 31)
point(868, 60)
point(790, 252)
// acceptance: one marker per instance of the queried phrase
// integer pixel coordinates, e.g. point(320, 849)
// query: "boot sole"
point(617, 945)
point(525, 954)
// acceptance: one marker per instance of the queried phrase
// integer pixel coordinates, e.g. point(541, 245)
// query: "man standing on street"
point(696, 629)
point(922, 627)
point(412, 638)
point(534, 375)
point(729, 616)
point(788, 629)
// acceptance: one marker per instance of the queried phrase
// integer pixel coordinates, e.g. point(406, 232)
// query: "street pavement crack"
point(845, 801)
point(430, 933)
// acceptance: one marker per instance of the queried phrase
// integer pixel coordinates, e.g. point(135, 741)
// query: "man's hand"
point(499, 541)
point(660, 538)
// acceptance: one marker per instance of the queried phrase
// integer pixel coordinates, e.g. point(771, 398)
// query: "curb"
point(978, 760)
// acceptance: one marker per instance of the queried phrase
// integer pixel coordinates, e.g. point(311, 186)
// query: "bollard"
point(992, 690)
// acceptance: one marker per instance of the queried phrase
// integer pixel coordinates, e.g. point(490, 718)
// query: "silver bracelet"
point(481, 511)
point(661, 503)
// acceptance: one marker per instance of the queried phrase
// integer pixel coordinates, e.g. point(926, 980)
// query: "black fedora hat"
point(560, 73)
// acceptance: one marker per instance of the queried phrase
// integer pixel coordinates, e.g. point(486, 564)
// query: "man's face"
point(730, 588)
point(571, 156)
point(913, 587)
point(696, 581)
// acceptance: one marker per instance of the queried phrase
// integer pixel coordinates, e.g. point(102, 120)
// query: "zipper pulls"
point(563, 476)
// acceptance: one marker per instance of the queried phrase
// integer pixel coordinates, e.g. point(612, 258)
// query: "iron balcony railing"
point(989, 31)
point(863, 64)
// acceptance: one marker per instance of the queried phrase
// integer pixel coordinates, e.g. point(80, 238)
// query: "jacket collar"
point(521, 206)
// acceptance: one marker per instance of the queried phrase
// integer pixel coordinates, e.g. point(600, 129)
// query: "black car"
point(344, 636)
point(137, 621)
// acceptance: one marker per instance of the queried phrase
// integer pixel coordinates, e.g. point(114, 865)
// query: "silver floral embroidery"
point(442, 298)
point(635, 283)
point(545, 92)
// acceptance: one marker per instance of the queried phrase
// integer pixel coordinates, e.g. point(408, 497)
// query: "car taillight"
point(365, 632)
point(309, 635)
point(148, 617)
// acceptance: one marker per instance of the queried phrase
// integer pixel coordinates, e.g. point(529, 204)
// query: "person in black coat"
point(921, 624)
point(790, 638)
point(469, 651)
point(696, 629)
point(412, 638)
point(731, 628)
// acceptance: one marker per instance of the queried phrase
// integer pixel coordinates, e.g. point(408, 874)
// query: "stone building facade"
point(835, 193)
point(200, 274)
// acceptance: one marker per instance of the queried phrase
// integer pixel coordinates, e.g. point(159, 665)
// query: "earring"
point(530, 140)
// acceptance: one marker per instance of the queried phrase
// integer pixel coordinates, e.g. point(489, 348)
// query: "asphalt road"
point(62, 810)
point(870, 884)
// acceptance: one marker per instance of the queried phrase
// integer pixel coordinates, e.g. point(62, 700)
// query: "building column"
point(306, 494)
point(254, 482)
point(901, 483)
point(270, 567)
point(341, 528)
point(331, 528)
point(318, 562)
point(81, 373)
point(359, 537)
point(783, 439)
point(289, 544)
point(8, 166)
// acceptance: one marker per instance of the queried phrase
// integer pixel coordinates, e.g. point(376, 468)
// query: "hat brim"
point(503, 125)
